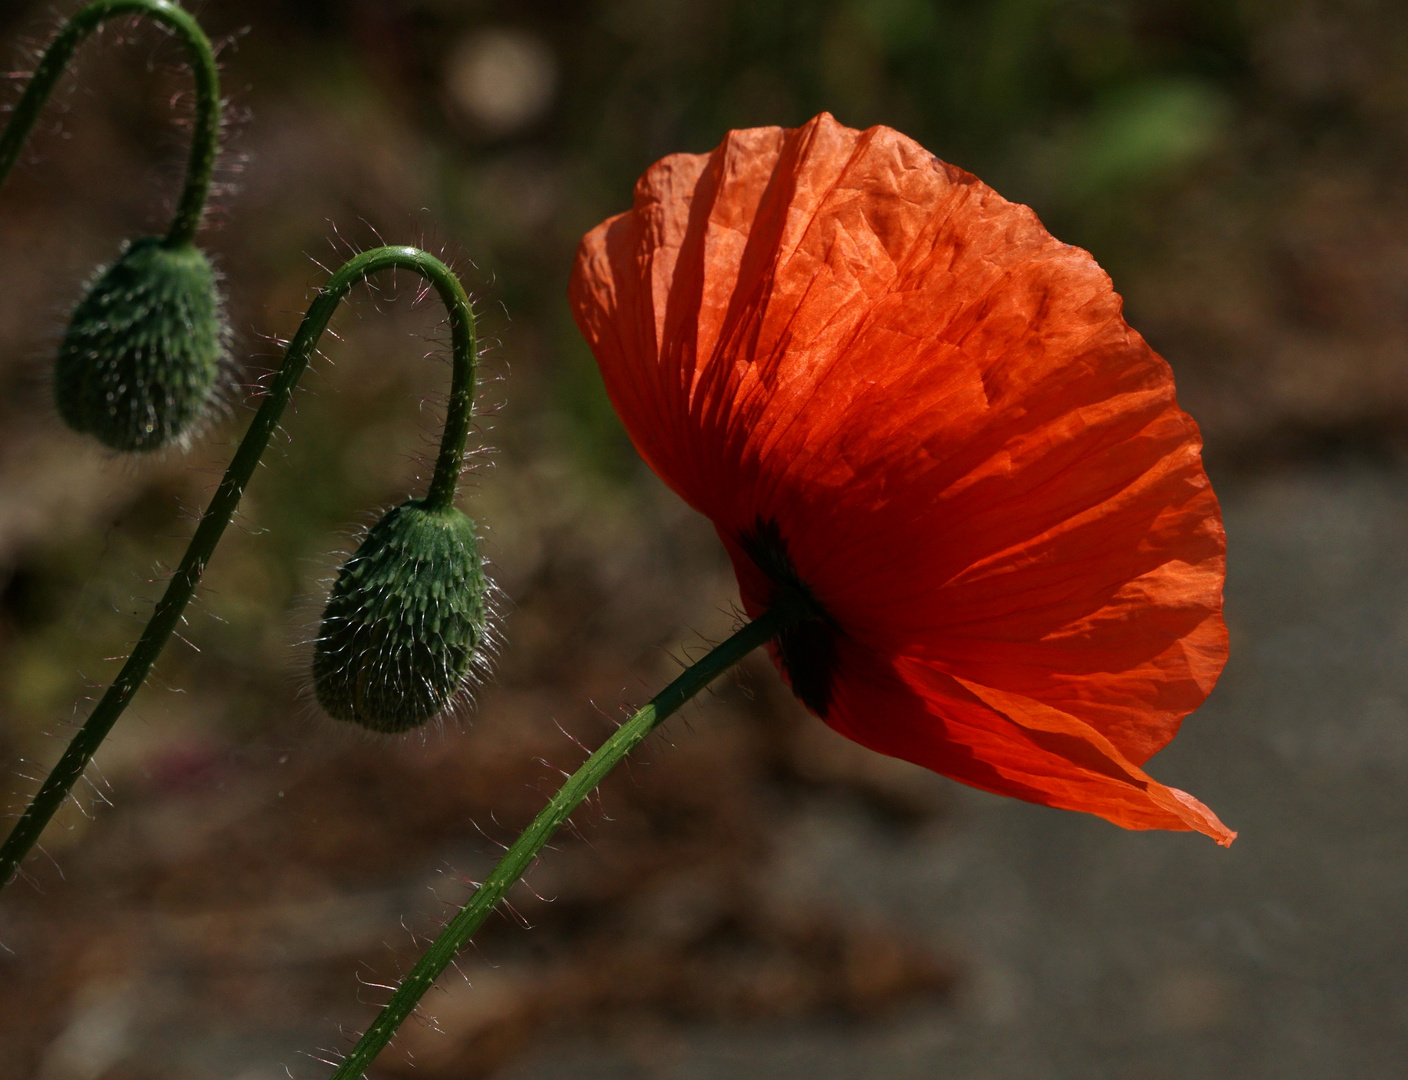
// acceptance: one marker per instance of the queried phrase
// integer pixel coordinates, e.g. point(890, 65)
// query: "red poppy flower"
point(894, 392)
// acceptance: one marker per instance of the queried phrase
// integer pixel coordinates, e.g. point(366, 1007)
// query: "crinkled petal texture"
point(978, 469)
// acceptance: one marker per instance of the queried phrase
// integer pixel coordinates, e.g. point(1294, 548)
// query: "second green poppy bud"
point(406, 625)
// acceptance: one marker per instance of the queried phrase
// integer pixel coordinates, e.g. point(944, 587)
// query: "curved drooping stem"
point(788, 611)
point(205, 138)
point(222, 506)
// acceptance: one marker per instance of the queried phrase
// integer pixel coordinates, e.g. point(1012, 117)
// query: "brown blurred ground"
point(756, 896)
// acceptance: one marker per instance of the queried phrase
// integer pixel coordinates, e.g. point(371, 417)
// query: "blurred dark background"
point(755, 896)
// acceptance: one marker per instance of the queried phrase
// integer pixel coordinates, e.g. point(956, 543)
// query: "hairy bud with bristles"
point(140, 360)
point(407, 623)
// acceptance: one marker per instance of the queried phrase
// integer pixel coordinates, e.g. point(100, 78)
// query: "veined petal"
point(975, 466)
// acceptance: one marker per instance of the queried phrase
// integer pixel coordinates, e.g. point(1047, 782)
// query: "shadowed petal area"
point(972, 460)
point(1004, 743)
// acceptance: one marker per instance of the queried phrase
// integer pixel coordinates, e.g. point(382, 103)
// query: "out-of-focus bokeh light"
point(504, 79)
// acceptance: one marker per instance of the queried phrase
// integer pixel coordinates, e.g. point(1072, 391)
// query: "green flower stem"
point(227, 496)
point(786, 612)
point(206, 136)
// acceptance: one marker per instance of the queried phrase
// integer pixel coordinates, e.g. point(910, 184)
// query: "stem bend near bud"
point(205, 138)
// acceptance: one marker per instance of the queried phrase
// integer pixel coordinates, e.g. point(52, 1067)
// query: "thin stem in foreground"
point(222, 506)
point(205, 138)
point(786, 612)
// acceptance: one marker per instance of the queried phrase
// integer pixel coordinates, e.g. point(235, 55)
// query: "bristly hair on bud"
point(406, 629)
point(139, 363)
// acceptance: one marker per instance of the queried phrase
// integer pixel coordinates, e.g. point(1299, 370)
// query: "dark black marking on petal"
point(808, 648)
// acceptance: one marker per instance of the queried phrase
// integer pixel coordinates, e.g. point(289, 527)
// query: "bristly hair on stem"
point(205, 136)
point(786, 613)
point(223, 504)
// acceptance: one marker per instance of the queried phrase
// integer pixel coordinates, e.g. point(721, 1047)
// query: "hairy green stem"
point(205, 139)
point(222, 506)
point(786, 612)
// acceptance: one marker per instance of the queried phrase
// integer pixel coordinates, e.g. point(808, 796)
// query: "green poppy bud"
point(406, 625)
point(139, 362)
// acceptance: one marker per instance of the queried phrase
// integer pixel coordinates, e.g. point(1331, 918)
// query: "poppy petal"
point(972, 460)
